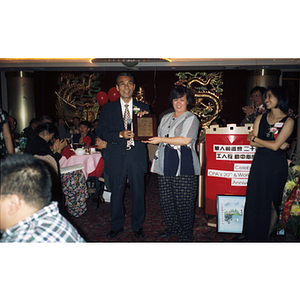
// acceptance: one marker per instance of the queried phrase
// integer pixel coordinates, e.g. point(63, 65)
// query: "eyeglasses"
point(258, 95)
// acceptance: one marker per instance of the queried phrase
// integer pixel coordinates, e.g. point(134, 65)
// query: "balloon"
point(102, 98)
point(113, 94)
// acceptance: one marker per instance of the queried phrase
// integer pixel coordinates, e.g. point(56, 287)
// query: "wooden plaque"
point(144, 127)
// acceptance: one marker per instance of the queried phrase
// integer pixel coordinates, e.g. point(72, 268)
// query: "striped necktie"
point(130, 142)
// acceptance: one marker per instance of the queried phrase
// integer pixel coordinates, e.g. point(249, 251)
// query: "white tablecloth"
point(89, 161)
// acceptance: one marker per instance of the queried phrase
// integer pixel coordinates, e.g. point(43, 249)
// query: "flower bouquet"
point(250, 117)
point(136, 109)
point(290, 208)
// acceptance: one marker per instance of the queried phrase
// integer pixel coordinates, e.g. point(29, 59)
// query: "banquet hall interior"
point(42, 86)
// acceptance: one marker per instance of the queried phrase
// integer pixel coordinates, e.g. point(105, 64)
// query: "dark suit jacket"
point(109, 126)
point(29, 131)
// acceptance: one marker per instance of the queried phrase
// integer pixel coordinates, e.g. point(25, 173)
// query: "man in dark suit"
point(29, 131)
point(122, 160)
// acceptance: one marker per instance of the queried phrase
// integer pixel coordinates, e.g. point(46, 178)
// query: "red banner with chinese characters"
point(228, 161)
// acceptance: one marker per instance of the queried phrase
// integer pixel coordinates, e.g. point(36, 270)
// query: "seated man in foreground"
point(26, 211)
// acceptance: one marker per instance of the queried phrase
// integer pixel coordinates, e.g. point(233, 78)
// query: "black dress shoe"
point(139, 233)
point(239, 238)
point(113, 233)
point(164, 234)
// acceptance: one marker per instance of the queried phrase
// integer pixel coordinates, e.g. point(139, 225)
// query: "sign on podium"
point(228, 162)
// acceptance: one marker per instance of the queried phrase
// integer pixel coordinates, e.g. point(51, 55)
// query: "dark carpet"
point(95, 223)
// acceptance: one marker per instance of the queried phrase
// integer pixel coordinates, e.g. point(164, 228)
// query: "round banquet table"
point(89, 161)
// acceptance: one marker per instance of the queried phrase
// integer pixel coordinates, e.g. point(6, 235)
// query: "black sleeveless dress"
point(266, 182)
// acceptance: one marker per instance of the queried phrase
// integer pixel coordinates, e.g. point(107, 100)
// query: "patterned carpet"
point(95, 223)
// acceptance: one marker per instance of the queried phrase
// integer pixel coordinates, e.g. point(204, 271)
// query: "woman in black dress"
point(39, 144)
point(269, 169)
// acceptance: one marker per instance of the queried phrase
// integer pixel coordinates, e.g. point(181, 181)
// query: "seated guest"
point(40, 142)
point(101, 145)
point(6, 143)
point(84, 136)
point(39, 145)
point(48, 119)
point(62, 129)
point(29, 131)
point(75, 129)
point(13, 126)
point(26, 211)
point(94, 126)
point(45, 119)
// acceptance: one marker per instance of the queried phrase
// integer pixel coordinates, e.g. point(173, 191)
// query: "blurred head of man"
point(25, 188)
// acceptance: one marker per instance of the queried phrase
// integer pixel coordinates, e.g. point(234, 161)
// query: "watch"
point(253, 140)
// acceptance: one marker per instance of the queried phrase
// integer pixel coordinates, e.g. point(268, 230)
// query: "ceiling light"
point(128, 62)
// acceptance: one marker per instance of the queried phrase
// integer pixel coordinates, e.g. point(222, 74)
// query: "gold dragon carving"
point(206, 91)
point(76, 96)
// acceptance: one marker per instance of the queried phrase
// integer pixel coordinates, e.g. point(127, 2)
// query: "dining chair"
point(57, 189)
point(102, 190)
point(50, 160)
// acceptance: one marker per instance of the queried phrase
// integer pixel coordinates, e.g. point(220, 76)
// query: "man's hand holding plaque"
point(144, 125)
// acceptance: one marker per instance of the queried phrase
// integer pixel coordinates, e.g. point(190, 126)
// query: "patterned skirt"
point(75, 190)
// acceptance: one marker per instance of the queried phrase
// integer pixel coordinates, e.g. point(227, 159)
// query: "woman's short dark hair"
point(50, 127)
point(178, 92)
point(282, 96)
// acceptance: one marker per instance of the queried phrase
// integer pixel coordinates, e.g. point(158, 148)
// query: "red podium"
point(228, 161)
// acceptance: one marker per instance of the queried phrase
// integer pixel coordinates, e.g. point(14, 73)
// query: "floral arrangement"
point(250, 117)
point(273, 131)
point(292, 114)
point(290, 208)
